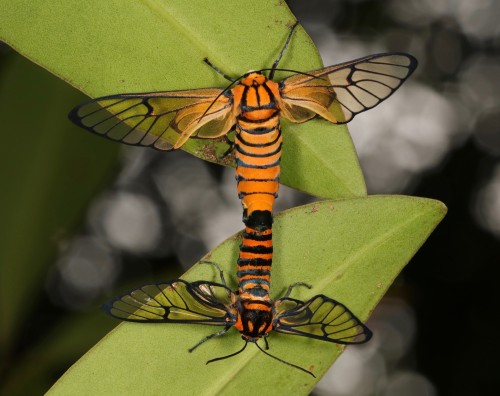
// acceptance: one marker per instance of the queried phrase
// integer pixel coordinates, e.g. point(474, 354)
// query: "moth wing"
point(163, 120)
point(172, 302)
point(321, 318)
point(338, 93)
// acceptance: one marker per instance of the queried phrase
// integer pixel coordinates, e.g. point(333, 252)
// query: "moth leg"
point(218, 70)
point(219, 333)
point(280, 55)
point(221, 272)
point(265, 341)
point(296, 284)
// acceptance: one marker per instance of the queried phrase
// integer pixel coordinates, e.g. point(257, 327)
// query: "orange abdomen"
point(258, 152)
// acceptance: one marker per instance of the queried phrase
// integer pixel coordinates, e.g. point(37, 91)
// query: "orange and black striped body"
point(258, 152)
point(258, 145)
point(254, 277)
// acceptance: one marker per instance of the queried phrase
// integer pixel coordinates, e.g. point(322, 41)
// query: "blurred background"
point(84, 218)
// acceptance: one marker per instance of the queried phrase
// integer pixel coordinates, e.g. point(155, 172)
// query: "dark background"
point(438, 137)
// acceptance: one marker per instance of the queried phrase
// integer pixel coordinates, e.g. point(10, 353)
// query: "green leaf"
point(49, 171)
point(115, 46)
point(350, 250)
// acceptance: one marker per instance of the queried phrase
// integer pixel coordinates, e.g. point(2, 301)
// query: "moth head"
point(253, 78)
point(254, 323)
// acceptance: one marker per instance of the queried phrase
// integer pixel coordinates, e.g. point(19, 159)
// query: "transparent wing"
point(173, 302)
point(321, 318)
point(337, 93)
point(163, 120)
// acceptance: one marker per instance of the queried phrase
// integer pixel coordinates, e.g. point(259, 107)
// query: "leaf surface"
point(352, 251)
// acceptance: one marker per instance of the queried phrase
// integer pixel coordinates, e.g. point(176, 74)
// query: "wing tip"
point(73, 116)
point(106, 307)
point(413, 62)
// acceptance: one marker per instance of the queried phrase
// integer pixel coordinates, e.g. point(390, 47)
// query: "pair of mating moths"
point(251, 106)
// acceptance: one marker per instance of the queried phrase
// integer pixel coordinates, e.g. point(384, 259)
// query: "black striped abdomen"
point(254, 265)
point(258, 154)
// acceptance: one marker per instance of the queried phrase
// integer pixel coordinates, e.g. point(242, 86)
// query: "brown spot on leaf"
point(314, 208)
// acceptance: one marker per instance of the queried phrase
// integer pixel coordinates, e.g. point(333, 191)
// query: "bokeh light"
point(487, 206)
point(86, 268)
point(128, 221)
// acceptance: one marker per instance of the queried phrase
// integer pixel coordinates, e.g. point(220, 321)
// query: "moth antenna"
point(228, 356)
point(287, 363)
point(215, 100)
